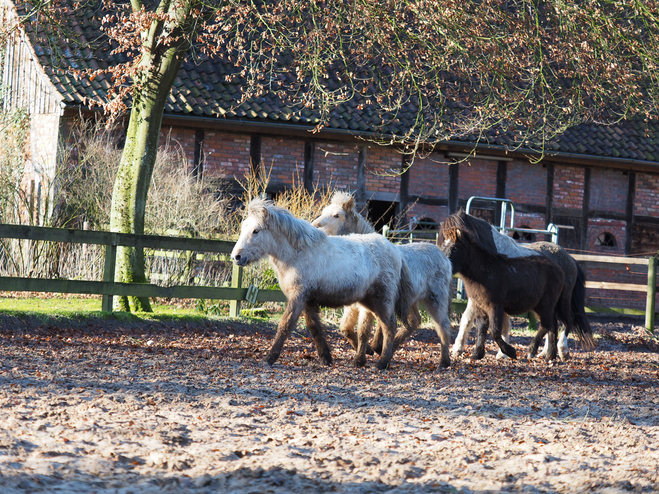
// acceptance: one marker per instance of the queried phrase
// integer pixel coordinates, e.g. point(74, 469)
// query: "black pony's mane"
point(477, 231)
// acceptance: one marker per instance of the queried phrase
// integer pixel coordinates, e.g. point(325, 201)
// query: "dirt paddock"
point(133, 407)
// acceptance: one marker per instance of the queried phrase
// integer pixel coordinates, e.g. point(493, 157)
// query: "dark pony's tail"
point(404, 301)
point(578, 302)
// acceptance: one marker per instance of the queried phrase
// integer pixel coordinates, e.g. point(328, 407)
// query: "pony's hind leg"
point(348, 323)
point(465, 325)
point(443, 330)
point(366, 318)
point(505, 334)
point(363, 334)
point(316, 329)
point(481, 323)
point(288, 321)
point(413, 322)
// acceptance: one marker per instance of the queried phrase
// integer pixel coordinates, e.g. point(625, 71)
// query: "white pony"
point(429, 269)
point(316, 270)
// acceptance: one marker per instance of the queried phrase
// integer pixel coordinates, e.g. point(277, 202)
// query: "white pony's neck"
point(508, 247)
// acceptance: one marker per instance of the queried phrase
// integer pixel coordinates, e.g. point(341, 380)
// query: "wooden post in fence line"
point(236, 282)
point(108, 274)
point(652, 291)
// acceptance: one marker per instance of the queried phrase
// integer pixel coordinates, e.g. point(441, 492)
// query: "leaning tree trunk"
point(137, 162)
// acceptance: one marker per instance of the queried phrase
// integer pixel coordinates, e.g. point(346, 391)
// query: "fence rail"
point(236, 293)
point(109, 288)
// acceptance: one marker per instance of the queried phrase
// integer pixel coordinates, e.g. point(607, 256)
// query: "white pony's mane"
point(301, 234)
point(362, 226)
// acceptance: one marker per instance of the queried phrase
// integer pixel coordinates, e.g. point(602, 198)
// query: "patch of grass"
point(82, 308)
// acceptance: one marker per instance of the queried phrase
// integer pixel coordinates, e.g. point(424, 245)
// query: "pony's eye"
point(337, 215)
point(255, 232)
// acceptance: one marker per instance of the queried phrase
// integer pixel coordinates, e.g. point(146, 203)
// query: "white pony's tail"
point(404, 301)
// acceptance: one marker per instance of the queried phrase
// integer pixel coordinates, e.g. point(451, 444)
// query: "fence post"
point(236, 282)
point(652, 290)
point(108, 273)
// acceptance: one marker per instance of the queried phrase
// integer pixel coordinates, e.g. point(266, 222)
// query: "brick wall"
point(647, 195)
point(526, 183)
point(429, 176)
point(477, 178)
point(285, 158)
point(226, 155)
point(179, 138)
point(608, 190)
point(383, 169)
point(568, 187)
point(336, 165)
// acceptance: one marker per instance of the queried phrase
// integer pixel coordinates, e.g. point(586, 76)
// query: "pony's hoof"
point(272, 359)
point(456, 352)
point(501, 355)
point(564, 356)
point(382, 365)
point(327, 360)
point(369, 350)
point(478, 355)
point(359, 362)
point(445, 363)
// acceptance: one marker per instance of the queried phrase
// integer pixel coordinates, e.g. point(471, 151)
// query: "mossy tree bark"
point(159, 64)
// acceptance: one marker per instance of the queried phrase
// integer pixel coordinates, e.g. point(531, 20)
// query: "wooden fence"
point(236, 293)
point(108, 287)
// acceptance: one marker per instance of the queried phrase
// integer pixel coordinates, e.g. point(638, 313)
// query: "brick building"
point(600, 183)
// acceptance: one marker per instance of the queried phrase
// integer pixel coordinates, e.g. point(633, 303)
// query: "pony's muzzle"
point(239, 259)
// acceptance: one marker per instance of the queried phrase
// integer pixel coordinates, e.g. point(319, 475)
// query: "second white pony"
point(429, 269)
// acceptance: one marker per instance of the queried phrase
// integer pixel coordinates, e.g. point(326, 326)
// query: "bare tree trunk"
point(139, 156)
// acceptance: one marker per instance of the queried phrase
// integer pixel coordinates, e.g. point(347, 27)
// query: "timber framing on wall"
point(629, 212)
point(255, 154)
point(360, 194)
point(549, 202)
point(585, 210)
point(309, 160)
point(404, 194)
point(502, 174)
point(453, 182)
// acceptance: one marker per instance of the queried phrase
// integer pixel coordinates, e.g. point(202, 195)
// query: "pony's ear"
point(349, 204)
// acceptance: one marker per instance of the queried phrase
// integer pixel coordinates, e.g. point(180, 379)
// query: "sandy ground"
point(126, 407)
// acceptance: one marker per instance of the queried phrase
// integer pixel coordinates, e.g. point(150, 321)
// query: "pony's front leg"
point(465, 325)
point(286, 325)
point(496, 316)
point(316, 329)
point(348, 323)
point(413, 322)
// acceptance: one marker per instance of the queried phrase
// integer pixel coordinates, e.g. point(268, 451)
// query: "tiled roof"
point(211, 88)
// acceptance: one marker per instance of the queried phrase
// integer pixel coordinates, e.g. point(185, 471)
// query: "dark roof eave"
point(306, 132)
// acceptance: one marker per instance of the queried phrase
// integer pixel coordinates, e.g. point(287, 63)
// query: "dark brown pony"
point(501, 285)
